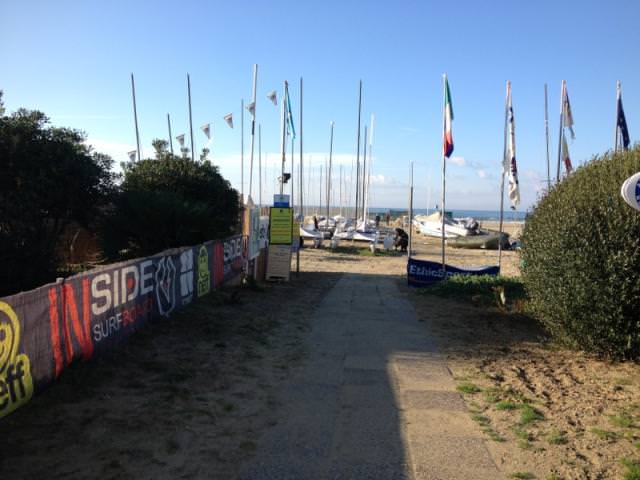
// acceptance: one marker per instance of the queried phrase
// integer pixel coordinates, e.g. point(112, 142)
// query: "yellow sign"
point(280, 226)
point(16, 384)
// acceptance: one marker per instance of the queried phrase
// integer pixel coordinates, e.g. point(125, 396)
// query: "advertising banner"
point(253, 241)
point(421, 273)
point(44, 330)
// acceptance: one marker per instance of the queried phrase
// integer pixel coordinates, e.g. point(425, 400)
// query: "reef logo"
point(16, 384)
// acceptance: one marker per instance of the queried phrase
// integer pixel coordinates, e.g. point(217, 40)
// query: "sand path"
point(373, 400)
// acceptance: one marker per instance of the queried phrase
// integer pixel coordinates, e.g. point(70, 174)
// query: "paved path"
point(373, 400)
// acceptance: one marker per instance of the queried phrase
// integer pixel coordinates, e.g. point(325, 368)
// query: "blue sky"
point(72, 60)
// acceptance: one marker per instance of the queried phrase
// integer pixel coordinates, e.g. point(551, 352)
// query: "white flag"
point(510, 167)
point(273, 96)
point(206, 128)
point(229, 119)
point(567, 115)
point(251, 107)
point(132, 155)
point(180, 139)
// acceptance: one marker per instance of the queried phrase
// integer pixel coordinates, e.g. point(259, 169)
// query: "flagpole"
point(504, 159)
point(193, 158)
point(253, 126)
point(546, 130)
point(301, 179)
point(135, 114)
point(170, 136)
point(283, 144)
point(260, 164)
point(616, 140)
point(242, 150)
point(444, 162)
point(411, 212)
point(358, 154)
point(561, 134)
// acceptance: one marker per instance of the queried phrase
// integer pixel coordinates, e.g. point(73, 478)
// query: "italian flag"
point(448, 117)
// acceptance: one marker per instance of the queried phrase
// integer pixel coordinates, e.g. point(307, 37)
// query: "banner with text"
point(421, 273)
point(44, 330)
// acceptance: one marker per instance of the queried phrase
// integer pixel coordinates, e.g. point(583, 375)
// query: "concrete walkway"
point(373, 400)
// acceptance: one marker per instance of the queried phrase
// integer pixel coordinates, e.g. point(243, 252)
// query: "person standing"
point(388, 217)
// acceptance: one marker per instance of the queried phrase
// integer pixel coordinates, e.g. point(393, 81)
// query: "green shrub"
point(166, 203)
point(581, 259)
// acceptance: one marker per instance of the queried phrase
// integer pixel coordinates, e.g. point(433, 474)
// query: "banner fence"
point(43, 331)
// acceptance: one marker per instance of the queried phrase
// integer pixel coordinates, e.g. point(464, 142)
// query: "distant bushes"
point(165, 203)
point(581, 259)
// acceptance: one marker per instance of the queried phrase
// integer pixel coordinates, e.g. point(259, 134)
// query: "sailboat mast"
point(358, 154)
point(329, 174)
point(364, 174)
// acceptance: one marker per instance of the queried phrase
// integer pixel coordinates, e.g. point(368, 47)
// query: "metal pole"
point(364, 174)
point(358, 153)
point(135, 114)
point(411, 212)
point(616, 140)
point(283, 144)
point(292, 172)
point(253, 126)
point(366, 201)
point(444, 163)
point(242, 150)
point(300, 170)
point(546, 130)
point(193, 158)
point(561, 134)
point(504, 159)
point(340, 189)
point(260, 164)
point(329, 176)
point(170, 136)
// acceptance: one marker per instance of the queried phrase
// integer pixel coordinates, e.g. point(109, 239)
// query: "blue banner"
point(422, 273)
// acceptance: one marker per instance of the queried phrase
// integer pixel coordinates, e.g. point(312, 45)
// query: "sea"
point(509, 215)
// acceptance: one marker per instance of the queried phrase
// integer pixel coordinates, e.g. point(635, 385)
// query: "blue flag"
point(287, 102)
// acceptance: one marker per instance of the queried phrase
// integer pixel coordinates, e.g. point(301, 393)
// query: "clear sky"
point(72, 60)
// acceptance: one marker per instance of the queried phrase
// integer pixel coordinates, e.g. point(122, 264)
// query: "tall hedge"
point(168, 202)
point(581, 259)
point(48, 179)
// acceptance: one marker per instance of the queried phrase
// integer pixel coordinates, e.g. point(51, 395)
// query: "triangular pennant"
point(180, 139)
point(206, 128)
point(251, 107)
point(273, 96)
point(132, 155)
point(229, 119)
